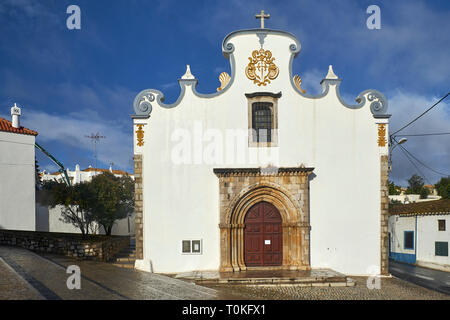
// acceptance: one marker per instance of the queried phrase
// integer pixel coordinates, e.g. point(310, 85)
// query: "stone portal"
point(284, 189)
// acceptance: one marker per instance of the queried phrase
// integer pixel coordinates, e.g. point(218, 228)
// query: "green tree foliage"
point(423, 193)
point(393, 189)
point(114, 199)
point(77, 202)
point(443, 188)
point(87, 205)
point(415, 184)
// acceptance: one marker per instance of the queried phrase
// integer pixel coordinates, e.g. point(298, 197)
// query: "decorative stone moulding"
point(146, 99)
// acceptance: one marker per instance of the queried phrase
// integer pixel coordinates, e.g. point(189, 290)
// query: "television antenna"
point(95, 138)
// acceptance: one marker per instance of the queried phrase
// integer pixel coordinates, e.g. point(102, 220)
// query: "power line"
point(423, 164)
point(424, 134)
point(422, 114)
point(418, 170)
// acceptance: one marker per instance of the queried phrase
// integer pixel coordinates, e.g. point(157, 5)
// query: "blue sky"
point(71, 83)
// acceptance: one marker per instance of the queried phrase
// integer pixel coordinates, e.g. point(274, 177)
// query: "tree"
point(424, 193)
point(114, 199)
point(393, 189)
point(415, 184)
point(76, 200)
point(443, 188)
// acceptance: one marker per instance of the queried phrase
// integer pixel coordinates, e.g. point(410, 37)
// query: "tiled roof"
point(419, 208)
point(6, 126)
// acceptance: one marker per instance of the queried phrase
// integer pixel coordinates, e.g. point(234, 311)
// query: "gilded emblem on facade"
point(261, 68)
point(140, 135)
point(381, 135)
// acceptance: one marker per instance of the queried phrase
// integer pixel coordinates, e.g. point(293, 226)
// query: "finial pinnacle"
point(331, 74)
point(188, 74)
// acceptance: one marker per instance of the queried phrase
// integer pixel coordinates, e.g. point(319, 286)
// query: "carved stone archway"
point(285, 188)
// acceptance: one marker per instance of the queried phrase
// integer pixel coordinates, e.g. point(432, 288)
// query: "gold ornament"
point(298, 83)
point(381, 135)
point(140, 135)
point(224, 78)
point(261, 68)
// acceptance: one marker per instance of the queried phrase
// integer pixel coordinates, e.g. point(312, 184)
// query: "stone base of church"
point(305, 278)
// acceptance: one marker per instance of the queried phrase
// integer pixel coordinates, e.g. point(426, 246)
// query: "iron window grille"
point(262, 121)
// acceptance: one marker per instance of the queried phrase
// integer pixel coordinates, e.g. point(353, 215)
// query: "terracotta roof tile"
point(6, 126)
point(424, 207)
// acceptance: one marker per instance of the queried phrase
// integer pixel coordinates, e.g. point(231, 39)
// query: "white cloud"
point(116, 147)
point(311, 81)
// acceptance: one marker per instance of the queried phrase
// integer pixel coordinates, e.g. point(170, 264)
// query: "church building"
point(261, 175)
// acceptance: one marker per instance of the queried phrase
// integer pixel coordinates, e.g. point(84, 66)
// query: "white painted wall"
point(428, 234)
point(397, 226)
point(181, 201)
point(409, 198)
point(17, 181)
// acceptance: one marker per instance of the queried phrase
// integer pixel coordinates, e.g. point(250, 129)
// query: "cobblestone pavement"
point(26, 275)
point(391, 289)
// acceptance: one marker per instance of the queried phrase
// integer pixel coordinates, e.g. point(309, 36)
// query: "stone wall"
point(384, 174)
point(95, 247)
point(138, 206)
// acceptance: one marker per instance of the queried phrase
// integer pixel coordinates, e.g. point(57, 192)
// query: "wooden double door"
point(263, 236)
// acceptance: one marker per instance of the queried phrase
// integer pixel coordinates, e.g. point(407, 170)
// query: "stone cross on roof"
point(262, 16)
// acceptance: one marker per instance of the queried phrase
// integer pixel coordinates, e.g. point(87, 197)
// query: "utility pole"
point(95, 138)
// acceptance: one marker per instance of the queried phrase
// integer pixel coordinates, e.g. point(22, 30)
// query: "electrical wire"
point(417, 118)
point(423, 164)
point(420, 172)
point(424, 134)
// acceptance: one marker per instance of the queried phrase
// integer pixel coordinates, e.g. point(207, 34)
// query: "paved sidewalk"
point(26, 275)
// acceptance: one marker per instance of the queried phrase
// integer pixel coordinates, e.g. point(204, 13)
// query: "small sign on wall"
point(266, 241)
point(191, 246)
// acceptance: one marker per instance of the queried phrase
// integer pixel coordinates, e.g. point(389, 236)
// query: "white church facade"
point(261, 174)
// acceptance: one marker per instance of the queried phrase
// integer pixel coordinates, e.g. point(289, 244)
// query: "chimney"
point(15, 114)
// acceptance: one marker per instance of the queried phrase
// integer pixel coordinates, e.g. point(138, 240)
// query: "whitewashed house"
point(17, 174)
point(49, 219)
point(261, 174)
point(419, 233)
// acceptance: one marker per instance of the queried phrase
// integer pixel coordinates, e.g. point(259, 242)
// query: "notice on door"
point(266, 241)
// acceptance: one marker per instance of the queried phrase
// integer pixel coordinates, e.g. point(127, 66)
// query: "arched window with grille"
point(262, 121)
